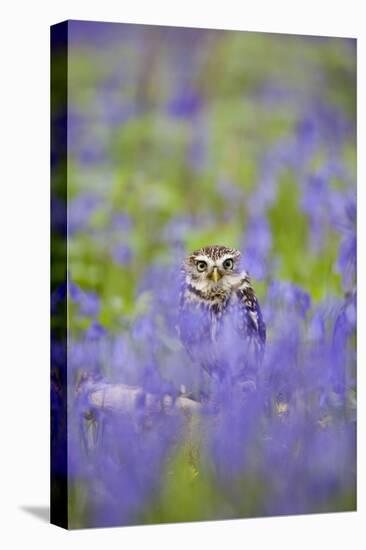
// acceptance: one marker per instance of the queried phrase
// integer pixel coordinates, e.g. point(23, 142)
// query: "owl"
point(220, 320)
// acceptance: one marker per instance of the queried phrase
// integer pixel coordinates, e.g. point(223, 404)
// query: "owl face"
point(213, 267)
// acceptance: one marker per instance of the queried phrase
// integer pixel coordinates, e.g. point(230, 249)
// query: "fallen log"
point(125, 399)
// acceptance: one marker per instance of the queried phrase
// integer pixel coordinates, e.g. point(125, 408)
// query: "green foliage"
point(296, 262)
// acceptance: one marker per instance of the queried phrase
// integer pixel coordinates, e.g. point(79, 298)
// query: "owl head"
point(213, 267)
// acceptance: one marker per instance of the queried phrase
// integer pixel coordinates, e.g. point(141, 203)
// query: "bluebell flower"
point(314, 203)
point(229, 191)
point(121, 222)
point(346, 262)
point(80, 210)
point(287, 295)
point(268, 432)
point(89, 304)
point(95, 331)
point(307, 131)
point(91, 151)
point(257, 247)
point(177, 228)
point(185, 104)
point(88, 301)
point(114, 110)
point(121, 253)
point(143, 329)
point(197, 149)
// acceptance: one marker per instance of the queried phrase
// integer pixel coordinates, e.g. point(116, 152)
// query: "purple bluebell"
point(283, 293)
point(186, 103)
point(346, 262)
point(121, 254)
point(314, 203)
point(88, 301)
point(257, 247)
point(80, 210)
point(121, 222)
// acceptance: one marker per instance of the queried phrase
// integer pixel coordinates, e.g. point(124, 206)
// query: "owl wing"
point(252, 325)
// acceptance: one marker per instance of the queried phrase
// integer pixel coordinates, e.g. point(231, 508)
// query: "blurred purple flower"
point(268, 432)
point(121, 222)
point(198, 146)
point(144, 329)
point(307, 132)
point(113, 110)
point(95, 331)
point(273, 93)
point(121, 254)
point(176, 229)
point(346, 263)
point(343, 330)
point(257, 247)
point(229, 191)
point(185, 104)
point(283, 294)
point(317, 327)
point(314, 203)
point(347, 256)
point(88, 302)
point(80, 210)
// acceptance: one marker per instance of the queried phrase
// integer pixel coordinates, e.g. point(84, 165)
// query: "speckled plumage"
point(220, 317)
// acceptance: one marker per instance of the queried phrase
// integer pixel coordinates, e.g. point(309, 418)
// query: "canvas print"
point(203, 274)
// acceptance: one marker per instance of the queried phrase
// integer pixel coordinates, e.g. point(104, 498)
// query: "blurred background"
point(179, 138)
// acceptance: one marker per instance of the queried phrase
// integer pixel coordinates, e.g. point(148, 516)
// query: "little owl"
point(220, 322)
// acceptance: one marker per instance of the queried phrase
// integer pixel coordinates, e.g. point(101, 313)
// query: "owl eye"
point(201, 265)
point(228, 264)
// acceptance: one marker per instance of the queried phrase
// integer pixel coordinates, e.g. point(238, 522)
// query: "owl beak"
point(215, 275)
